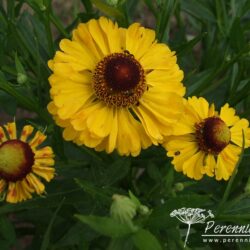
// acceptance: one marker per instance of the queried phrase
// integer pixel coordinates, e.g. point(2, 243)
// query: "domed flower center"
point(213, 135)
point(16, 160)
point(122, 73)
point(119, 80)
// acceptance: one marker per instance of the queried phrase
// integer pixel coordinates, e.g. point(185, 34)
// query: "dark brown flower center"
point(119, 80)
point(16, 160)
point(212, 135)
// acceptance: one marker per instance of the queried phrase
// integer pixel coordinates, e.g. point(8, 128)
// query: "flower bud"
point(22, 78)
point(144, 210)
point(122, 208)
point(179, 187)
point(112, 2)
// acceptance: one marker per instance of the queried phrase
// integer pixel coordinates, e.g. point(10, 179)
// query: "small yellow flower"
point(115, 88)
point(207, 142)
point(23, 162)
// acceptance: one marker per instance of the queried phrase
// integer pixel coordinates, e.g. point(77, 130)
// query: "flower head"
point(115, 88)
point(23, 162)
point(206, 142)
point(123, 208)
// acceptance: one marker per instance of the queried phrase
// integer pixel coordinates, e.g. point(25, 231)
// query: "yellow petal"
point(210, 165)
point(236, 133)
point(74, 52)
point(45, 152)
point(112, 34)
point(99, 123)
point(35, 183)
point(38, 139)
point(128, 139)
point(3, 137)
point(98, 36)
point(158, 113)
point(167, 82)
point(2, 185)
point(200, 105)
point(26, 186)
point(45, 161)
point(84, 38)
point(139, 40)
point(194, 166)
point(25, 193)
point(12, 196)
point(45, 172)
point(52, 108)
point(222, 171)
point(181, 155)
point(159, 57)
point(227, 114)
point(26, 132)
point(11, 129)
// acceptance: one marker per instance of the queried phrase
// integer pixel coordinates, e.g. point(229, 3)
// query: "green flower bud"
point(112, 2)
point(247, 187)
point(144, 210)
point(179, 187)
point(22, 78)
point(122, 208)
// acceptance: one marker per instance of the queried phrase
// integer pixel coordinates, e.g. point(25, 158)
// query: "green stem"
point(48, 31)
point(230, 183)
point(88, 6)
point(25, 101)
point(54, 19)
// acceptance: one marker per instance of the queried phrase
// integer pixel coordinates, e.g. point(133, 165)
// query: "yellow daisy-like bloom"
point(115, 88)
point(23, 162)
point(207, 142)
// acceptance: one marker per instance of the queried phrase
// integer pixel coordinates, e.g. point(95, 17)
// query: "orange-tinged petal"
point(26, 132)
point(11, 129)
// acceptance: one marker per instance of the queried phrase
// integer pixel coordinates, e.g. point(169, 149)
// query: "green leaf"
point(107, 226)
point(117, 171)
point(109, 10)
point(7, 230)
point(188, 46)
point(153, 171)
point(237, 37)
point(198, 9)
point(124, 243)
point(144, 240)
point(19, 66)
point(94, 191)
point(46, 238)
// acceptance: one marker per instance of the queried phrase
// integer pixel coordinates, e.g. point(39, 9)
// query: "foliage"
point(211, 39)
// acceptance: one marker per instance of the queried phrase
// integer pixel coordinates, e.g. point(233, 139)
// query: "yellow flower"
point(115, 88)
point(23, 162)
point(207, 142)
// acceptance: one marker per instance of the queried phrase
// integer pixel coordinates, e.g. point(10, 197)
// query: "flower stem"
point(230, 183)
point(188, 231)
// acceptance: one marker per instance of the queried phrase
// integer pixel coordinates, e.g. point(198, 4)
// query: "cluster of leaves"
point(211, 39)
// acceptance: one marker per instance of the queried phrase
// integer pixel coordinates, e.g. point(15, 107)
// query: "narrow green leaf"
point(117, 171)
point(237, 37)
point(144, 240)
point(7, 230)
point(109, 10)
point(94, 191)
point(106, 226)
point(46, 238)
point(188, 46)
point(198, 9)
point(25, 101)
point(231, 180)
point(124, 243)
